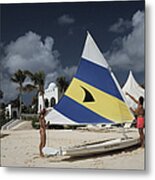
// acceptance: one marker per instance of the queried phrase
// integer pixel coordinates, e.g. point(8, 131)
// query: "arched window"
point(53, 101)
point(46, 103)
point(14, 114)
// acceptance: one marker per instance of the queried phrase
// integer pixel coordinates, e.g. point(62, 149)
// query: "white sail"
point(132, 87)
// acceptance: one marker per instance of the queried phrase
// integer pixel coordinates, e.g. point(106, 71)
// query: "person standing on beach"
point(42, 131)
point(139, 112)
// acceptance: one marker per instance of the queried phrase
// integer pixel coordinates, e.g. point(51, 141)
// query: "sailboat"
point(132, 87)
point(93, 97)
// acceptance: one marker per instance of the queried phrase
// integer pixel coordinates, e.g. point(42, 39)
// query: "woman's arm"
point(133, 111)
point(135, 100)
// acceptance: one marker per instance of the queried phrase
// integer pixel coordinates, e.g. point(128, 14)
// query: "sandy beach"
point(19, 147)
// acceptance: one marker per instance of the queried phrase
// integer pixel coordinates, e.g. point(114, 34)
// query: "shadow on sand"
point(3, 135)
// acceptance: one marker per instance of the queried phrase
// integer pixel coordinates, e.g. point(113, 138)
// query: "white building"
point(51, 97)
point(11, 112)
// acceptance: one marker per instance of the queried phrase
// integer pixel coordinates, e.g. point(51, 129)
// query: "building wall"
point(11, 112)
point(51, 97)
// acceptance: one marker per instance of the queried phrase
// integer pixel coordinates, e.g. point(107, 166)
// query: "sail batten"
point(93, 95)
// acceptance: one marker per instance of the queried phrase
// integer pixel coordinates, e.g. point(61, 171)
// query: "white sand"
point(20, 148)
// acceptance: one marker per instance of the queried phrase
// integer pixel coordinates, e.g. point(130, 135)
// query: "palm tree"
point(1, 94)
point(34, 103)
point(62, 84)
point(38, 80)
point(19, 78)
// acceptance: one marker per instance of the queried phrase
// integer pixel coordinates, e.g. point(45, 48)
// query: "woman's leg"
point(41, 143)
point(44, 139)
point(141, 133)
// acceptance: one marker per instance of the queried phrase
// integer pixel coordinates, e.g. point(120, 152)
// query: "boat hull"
point(101, 147)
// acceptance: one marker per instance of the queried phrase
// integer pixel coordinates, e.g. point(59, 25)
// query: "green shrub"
point(3, 119)
point(35, 122)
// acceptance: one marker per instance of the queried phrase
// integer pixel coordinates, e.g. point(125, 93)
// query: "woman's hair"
point(141, 100)
point(43, 112)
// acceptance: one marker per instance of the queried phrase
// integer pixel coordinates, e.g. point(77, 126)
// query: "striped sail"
point(94, 95)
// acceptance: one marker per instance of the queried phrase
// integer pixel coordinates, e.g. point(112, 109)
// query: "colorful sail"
point(93, 95)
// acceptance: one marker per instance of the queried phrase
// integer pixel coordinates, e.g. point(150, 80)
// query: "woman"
point(139, 112)
point(42, 131)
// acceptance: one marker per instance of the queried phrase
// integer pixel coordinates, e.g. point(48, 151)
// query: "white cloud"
point(130, 53)
point(65, 19)
point(30, 52)
point(69, 71)
point(120, 26)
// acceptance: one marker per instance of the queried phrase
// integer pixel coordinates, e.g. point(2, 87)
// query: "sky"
point(51, 36)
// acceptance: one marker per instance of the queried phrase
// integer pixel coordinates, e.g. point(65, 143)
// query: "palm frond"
point(19, 77)
point(29, 74)
point(29, 88)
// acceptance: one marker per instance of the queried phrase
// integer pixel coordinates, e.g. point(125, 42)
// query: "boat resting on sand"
point(101, 147)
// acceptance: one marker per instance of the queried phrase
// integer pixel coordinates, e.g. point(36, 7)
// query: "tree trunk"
point(20, 104)
point(43, 100)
